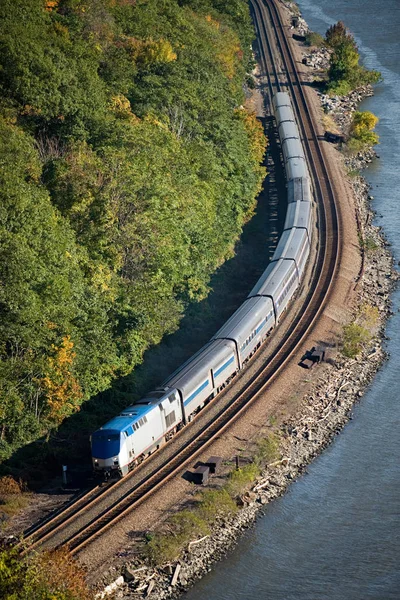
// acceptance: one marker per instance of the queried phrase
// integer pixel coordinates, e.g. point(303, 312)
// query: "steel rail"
point(266, 51)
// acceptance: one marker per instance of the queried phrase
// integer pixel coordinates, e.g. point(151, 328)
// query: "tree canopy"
point(128, 168)
point(345, 73)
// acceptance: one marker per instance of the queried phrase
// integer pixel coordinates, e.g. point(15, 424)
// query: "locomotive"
point(140, 429)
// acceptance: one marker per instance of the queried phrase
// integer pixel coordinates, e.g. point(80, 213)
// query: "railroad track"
point(328, 213)
point(101, 512)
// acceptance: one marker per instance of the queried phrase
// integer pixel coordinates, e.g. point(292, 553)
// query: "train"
point(140, 429)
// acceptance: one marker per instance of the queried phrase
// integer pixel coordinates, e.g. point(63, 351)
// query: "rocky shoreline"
point(324, 410)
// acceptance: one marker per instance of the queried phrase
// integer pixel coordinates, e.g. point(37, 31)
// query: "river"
point(335, 535)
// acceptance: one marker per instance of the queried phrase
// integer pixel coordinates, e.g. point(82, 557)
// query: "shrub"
point(369, 316)
point(216, 503)
point(8, 485)
point(354, 336)
point(240, 479)
point(47, 576)
point(187, 523)
point(314, 39)
point(361, 134)
point(339, 88)
point(163, 548)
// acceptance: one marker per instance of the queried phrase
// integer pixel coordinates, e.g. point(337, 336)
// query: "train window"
point(171, 398)
point(145, 419)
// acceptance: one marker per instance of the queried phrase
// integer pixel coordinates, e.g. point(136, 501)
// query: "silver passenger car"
point(292, 148)
point(295, 168)
point(249, 326)
point(281, 99)
point(284, 113)
point(279, 281)
point(299, 190)
point(204, 374)
point(299, 215)
point(288, 130)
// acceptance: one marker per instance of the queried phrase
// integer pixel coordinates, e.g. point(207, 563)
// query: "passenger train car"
point(143, 427)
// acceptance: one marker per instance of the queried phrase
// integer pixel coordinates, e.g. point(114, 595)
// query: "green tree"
point(345, 73)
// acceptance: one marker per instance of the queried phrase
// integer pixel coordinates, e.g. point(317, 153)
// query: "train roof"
point(117, 424)
point(271, 280)
point(292, 148)
point(136, 411)
point(199, 365)
point(245, 318)
point(299, 214)
point(284, 113)
point(299, 189)
point(288, 129)
point(295, 168)
point(281, 99)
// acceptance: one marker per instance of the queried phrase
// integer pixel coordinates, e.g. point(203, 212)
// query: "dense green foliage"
point(128, 168)
point(345, 73)
point(49, 576)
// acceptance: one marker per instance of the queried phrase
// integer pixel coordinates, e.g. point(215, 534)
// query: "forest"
point(128, 169)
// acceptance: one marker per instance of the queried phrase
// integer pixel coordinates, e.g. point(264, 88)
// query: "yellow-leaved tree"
point(61, 389)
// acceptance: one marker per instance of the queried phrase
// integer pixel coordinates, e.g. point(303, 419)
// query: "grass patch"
point(329, 123)
point(13, 496)
point(162, 548)
point(184, 526)
point(369, 316)
point(267, 450)
point(11, 504)
point(370, 244)
point(216, 503)
point(356, 334)
point(165, 546)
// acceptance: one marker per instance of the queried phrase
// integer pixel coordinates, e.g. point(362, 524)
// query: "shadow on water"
point(229, 287)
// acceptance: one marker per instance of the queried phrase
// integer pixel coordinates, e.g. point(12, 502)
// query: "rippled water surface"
point(336, 533)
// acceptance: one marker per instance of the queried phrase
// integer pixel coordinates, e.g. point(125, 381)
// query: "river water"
point(335, 535)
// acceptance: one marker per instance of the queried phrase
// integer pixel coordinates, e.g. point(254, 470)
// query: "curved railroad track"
point(101, 509)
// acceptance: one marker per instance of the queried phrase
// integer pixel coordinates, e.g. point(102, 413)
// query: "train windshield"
point(105, 444)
